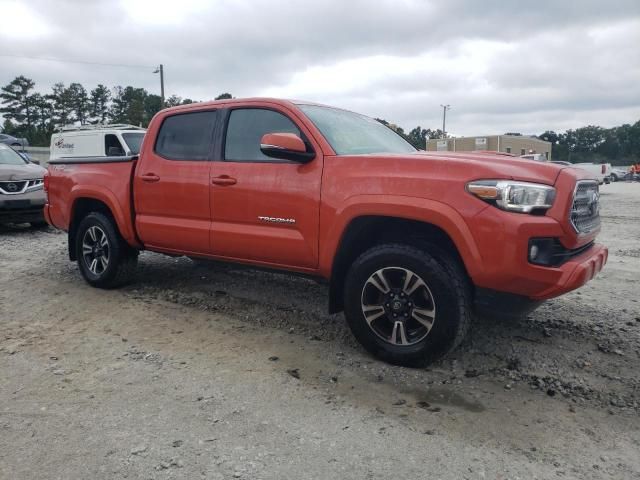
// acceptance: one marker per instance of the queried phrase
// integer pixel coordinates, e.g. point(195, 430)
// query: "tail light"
point(604, 169)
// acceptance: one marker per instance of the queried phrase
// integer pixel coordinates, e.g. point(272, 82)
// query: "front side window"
point(186, 136)
point(245, 130)
point(133, 141)
point(354, 134)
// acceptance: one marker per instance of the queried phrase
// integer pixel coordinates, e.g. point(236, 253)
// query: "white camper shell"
point(96, 141)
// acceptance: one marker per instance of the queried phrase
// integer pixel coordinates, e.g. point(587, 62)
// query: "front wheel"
point(104, 258)
point(406, 306)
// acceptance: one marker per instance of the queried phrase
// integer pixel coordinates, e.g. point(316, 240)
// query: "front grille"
point(14, 187)
point(585, 211)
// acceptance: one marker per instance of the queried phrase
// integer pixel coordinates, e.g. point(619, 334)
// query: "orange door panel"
point(171, 186)
point(264, 210)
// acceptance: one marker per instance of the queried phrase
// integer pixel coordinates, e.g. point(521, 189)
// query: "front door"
point(264, 210)
point(171, 186)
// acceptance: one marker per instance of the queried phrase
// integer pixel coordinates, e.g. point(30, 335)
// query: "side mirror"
point(287, 146)
point(115, 152)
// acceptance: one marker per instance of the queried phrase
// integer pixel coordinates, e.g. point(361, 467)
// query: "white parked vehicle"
point(96, 141)
point(536, 157)
point(618, 173)
point(600, 171)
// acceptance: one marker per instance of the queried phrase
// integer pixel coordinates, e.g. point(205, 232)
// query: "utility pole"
point(160, 70)
point(444, 119)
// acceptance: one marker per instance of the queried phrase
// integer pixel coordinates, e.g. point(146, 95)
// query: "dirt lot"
point(220, 372)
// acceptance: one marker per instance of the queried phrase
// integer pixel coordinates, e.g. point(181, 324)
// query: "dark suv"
point(22, 196)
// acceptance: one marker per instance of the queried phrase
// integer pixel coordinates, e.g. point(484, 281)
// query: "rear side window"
point(245, 130)
point(112, 146)
point(186, 136)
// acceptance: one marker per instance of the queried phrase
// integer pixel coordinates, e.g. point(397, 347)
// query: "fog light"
point(543, 251)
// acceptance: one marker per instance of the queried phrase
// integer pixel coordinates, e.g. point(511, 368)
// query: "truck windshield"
point(134, 140)
point(350, 133)
point(9, 157)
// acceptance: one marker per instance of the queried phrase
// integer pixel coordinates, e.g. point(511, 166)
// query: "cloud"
point(527, 66)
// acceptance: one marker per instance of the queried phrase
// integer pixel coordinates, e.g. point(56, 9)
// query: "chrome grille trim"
point(584, 215)
point(16, 187)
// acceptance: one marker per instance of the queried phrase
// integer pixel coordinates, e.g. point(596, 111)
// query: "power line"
point(76, 61)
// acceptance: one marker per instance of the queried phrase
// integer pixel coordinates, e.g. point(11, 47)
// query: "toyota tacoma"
point(411, 243)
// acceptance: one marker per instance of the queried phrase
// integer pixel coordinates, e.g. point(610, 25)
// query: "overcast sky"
point(503, 66)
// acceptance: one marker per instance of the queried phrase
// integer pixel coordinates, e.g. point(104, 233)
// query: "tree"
point(79, 101)
point(134, 98)
point(418, 138)
point(118, 109)
point(8, 127)
point(549, 136)
point(62, 105)
point(173, 101)
point(18, 102)
point(99, 104)
point(224, 96)
point(151, 107)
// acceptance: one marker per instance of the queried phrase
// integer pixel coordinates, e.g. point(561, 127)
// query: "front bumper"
point(27, 207)
point(577, 272)
point(503, 242)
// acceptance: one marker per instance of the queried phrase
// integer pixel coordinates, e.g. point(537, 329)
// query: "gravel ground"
point(222, 372)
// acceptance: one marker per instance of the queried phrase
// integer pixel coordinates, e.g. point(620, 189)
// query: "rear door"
point(171, 186)
point(264, 210)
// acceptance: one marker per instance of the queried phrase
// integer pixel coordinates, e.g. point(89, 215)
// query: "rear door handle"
point(224, 180)
point(150, 177)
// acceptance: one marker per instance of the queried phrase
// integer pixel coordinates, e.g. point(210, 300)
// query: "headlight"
point(514, 196)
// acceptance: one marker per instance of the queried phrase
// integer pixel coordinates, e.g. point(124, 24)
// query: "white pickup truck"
point(600, 171)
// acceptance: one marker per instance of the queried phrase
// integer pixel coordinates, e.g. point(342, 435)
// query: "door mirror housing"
point(286, 146)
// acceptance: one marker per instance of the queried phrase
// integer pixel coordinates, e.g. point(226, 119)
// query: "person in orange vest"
point(632, 171)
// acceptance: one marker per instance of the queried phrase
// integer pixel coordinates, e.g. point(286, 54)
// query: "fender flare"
point(106, 196)
point(417, 209)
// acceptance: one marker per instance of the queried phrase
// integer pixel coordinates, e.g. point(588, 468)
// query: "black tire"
point(447, 285)
point(122, 259)
point(614, 177)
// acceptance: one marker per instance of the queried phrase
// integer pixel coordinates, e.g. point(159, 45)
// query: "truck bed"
point(73, 183)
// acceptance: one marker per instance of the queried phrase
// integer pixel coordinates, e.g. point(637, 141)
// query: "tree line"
point(35, 116)
point(618, 145)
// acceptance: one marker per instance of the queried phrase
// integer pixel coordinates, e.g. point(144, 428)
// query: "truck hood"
point(488, 165)
point(28, 171)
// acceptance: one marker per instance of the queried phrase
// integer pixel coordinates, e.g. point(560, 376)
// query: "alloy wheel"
point(95, 250)
point(398, 306)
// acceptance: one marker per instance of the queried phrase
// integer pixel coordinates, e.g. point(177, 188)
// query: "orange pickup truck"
point(411, 243)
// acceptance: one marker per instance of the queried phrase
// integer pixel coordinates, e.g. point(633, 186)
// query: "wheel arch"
point(365, 231)
point(83, 204)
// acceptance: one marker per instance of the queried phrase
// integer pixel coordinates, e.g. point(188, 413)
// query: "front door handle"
point(150, 177)
point(224, 180)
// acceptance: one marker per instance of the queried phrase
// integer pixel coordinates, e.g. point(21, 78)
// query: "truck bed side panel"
point(107, 182)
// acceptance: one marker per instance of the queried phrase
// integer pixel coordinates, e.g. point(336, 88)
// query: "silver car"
point(13, 141)
point(22, 196)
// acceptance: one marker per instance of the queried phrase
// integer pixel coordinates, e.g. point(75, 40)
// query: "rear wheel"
point(405, 306)
point(104, 258)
